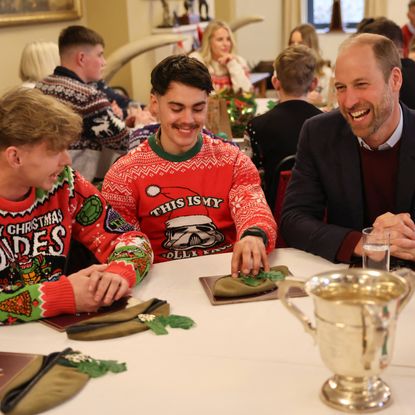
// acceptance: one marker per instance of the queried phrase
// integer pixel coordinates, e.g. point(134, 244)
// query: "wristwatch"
point(255, 231)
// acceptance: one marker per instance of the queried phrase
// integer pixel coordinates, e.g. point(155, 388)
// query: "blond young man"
point(43, 204)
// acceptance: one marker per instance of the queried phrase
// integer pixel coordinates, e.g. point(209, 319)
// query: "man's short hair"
point(387, 28)
point(295, 68)
point(77, 36)
point(385, 51)
point(411, 3)
point(28, 117)
point(182, 69)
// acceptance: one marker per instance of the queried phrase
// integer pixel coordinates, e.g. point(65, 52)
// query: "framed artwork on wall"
point(19, 12)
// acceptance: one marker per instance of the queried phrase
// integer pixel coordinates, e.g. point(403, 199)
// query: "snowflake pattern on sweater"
point(195, 204)
point(35, 237)
point(101, 127)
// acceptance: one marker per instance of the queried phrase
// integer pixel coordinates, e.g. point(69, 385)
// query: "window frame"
point(349, 26)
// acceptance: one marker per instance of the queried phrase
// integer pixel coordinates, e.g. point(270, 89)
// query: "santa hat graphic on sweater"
point(187, 215)
point(190, 224)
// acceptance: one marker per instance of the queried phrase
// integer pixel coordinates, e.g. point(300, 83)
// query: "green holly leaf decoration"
point(251, 281)
point(179, 322)
point(93, 367)
point(99, 368)
point(272, 275)
point(158, 324)
point(254, 281)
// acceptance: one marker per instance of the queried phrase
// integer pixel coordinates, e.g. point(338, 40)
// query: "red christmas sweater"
point(198, 203)
point(35, 236)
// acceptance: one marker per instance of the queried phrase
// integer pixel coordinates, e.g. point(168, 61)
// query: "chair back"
point(287, 163)
point(282, 178)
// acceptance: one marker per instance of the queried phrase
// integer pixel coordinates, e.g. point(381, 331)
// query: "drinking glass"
point(376, 249)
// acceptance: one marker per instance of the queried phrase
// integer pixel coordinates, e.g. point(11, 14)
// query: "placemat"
point(62, 322)
point(208, 284)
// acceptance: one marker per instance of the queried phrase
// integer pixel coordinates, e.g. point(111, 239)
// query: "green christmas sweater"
point(35, 236)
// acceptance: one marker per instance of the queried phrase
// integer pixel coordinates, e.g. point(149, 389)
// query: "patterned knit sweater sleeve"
point(101, 127)
point(35, 242)
point(120, 194)
point(245, 197)
point(107, 234)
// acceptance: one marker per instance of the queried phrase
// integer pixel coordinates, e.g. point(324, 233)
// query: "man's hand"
point(249, 255)
point(94, 288)
point(139, 117)
point(402, 233)
point(84, 298)
point(107, 287)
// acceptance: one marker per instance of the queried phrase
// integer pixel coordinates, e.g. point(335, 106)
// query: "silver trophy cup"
point(356, 311)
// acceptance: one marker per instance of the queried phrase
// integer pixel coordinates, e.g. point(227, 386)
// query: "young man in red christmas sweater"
point(43, 204)
point(192, 195)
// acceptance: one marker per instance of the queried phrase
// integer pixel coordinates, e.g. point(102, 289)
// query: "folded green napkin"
point(248, 285)
point(118, 323)
point(153, 314)
point(52, 380)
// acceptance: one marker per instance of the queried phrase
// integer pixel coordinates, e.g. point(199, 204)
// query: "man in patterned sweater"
point(192, 195)
point(104, 136)
point(43, 204)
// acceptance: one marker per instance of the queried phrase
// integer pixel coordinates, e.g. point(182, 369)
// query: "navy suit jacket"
point(327, 178)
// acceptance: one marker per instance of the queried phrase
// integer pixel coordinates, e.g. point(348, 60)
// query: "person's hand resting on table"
point(249, 256)
point(94, 288)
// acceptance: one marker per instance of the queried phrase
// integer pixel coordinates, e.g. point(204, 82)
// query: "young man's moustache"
point(184, 126)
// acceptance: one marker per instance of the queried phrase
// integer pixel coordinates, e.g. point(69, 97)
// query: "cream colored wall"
point(259, 41)
point(225, 10)
point(14, 38)
point(109, 22)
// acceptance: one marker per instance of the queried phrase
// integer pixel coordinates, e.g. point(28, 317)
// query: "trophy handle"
point(409, 276)
point(283, 291)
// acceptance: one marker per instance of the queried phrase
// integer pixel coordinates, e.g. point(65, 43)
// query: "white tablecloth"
point(242, 359)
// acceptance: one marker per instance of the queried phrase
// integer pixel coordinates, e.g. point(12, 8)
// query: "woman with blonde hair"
point(228, 70)
point(305, 34)
point(38, 60)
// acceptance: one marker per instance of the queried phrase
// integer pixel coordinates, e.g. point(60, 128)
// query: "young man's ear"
point(276, 83)
point(153, 105)
point(12, 156)
point(313, 84)
point(80, 57)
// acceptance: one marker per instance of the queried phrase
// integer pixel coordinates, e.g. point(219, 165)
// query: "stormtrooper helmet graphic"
point(189, 226)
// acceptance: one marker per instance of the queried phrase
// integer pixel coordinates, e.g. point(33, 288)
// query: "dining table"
point(239, 359)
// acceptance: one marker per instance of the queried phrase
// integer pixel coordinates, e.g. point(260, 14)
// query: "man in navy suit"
point(355, 166)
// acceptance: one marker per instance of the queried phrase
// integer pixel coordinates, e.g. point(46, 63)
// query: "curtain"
point(291, 17)
point(375, 8)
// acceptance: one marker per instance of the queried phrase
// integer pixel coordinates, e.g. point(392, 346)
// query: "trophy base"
point(356, 394)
